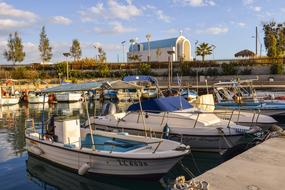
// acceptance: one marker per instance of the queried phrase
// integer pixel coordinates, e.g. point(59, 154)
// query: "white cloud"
point(214, 30)
point(12, 18)
point(9, 10)
point(248, 2)
point(256, 8)
point(29, 45)
point(124, 12)
point(92, 12)
point(217, 30)
point(114, 28)
point(158, 13)
point(195, 3)
point(61, 20)
point(240, 24)
point(161, 16)
point(251, 4)
point(8, 24)
point(113, 10)
point(3, 43)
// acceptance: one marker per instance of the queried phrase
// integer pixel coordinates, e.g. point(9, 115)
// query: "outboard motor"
point(166, 131)
point(108, 109)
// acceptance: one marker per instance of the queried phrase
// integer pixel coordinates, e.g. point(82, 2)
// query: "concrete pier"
point(260, 168)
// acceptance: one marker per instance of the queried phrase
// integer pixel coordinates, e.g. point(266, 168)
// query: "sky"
point(227, 24)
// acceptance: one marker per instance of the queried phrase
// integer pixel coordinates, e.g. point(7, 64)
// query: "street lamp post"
point(170, 67)
point(148, 37)
point(196, 42)
point(123, 44)
point(67, 54)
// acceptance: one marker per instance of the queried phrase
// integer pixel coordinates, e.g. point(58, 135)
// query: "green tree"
point(44, 47)
point(104, 70)
point(274, 39)
point(102, 55)
point(144, 69)
point(15, 51)
point(277, 68)
point(204, 49)
point(75, 49)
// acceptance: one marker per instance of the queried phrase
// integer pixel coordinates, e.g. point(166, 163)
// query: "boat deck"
point(111, 144)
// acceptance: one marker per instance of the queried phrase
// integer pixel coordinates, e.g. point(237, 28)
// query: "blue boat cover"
point(167, 104)
point(140, 78)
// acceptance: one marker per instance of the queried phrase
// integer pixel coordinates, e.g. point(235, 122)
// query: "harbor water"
point(21, 171)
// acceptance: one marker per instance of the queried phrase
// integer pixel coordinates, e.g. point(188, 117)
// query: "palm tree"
point(204, 49)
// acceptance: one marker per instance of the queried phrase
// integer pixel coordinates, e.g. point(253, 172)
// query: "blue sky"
point(228, 24)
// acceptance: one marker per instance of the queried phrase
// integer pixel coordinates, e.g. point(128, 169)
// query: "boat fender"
point(166, 131)
point(83, 169)
point(36, 150)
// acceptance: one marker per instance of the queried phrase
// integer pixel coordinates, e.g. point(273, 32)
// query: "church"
point(161, 50)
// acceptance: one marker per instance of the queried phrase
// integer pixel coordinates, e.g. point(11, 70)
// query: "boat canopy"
point(92, 86)
point(166, 104)
point(73, 87)
point(140, 78)
point(119, 84)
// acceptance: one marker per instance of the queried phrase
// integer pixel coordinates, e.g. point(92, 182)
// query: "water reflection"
point(53, 177)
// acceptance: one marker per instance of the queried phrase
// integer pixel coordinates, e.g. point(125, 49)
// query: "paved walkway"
point(259, 168)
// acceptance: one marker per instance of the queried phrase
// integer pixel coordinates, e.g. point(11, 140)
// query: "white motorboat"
point(104, 152)
point(240, 95)
point(36, 98)
point(176, 119)
point(148, 85)
point(7, 101)
point(68, 97)
point(127, 95)
point(98, 152)
point(247, 118)
point(8, 97)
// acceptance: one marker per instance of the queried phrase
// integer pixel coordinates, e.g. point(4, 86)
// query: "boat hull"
point(8, 101)
point(37, 100)
point(68, 97)
point(101, 164)
point(197, 141)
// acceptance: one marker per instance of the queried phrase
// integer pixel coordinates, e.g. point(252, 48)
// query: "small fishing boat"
point(36, 98)
point(68, 97)
point(89, 151)
point(189, 95)
point(7, 95)
point(148, 84)
point(174, 118)
point(240, 95)
point(127, 95)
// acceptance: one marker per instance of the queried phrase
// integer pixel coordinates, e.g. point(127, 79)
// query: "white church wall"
point(153, 57)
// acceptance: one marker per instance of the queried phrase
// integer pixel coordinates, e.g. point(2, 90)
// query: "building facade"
point(159, 50)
